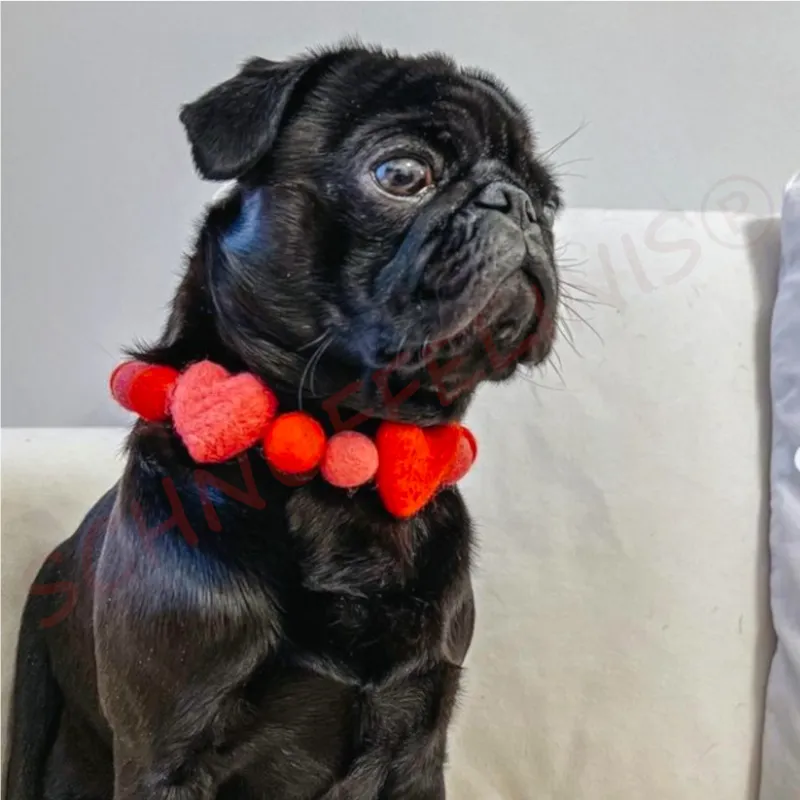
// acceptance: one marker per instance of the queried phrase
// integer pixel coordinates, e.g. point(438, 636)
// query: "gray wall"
point(99, 198)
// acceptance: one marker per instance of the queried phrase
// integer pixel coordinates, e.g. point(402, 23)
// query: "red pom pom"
point(295, 443)
point(143, 388)
point(466, 453)
point(219, 415)
point(351, 459)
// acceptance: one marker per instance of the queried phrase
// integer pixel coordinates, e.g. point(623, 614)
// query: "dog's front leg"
point(191, 745)
point(417, 774)
point(174, 656)
point(137, 778)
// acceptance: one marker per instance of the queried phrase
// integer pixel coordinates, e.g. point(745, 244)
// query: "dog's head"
point(390, 215)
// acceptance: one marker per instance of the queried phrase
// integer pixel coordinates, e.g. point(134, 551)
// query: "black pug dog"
point(388, 244)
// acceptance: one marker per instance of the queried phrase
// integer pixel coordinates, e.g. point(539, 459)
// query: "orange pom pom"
point(295, 443)
point(143, 388)
point(351, 459)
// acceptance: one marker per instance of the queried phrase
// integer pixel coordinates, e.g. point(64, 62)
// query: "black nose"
point(508, 199)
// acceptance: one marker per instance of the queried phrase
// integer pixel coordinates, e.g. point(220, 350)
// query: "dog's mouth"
point(498, 313)
point(513, 324)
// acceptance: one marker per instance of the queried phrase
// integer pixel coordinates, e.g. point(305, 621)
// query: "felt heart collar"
point(219, 415)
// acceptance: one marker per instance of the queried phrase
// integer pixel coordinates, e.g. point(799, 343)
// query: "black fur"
point(216, 633)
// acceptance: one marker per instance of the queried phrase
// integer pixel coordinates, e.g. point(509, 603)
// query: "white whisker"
point(311, 366)
point(558, 145)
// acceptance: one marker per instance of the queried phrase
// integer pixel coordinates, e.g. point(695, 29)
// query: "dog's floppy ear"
point(232, 126)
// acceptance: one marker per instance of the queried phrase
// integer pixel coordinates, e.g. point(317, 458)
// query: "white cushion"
point(623, 633)
point(781, 773)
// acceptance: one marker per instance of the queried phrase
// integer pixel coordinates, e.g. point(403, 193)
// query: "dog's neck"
point(194, 331)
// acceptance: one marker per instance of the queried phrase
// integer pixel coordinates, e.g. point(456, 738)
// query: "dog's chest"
point(368, 636)
point(372, 599)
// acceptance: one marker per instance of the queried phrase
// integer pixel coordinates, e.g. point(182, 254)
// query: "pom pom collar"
point(219, 415)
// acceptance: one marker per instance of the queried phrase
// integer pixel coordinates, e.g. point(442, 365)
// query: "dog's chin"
point(489, 340)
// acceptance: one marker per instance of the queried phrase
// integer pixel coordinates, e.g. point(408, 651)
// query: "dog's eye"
point(403, 177)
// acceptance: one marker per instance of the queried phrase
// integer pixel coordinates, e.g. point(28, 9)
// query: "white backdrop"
point(687, 105)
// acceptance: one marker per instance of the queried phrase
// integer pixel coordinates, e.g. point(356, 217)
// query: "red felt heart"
point(219, 415)
point(412, 463)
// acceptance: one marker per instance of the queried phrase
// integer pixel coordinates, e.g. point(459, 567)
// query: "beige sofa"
point(623, 635)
